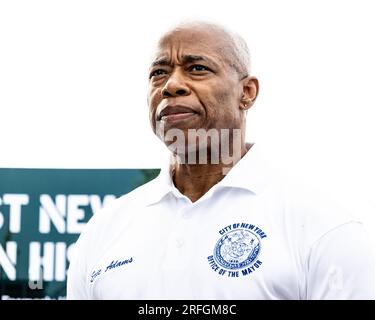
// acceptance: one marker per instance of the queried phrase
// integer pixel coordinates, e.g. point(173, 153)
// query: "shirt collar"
point(250, 173)
point(161, 185)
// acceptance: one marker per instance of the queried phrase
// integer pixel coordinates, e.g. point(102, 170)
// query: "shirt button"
point(179, 242)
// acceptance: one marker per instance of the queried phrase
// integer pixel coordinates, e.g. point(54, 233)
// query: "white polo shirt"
point(251, 236)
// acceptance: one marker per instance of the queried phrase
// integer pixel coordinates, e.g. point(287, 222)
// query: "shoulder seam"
point(333, 229)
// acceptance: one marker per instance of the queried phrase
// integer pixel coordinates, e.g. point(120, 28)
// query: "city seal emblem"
point(237, 251)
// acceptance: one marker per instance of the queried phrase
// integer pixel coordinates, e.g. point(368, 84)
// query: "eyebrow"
point(186, 59)
point(160, 62)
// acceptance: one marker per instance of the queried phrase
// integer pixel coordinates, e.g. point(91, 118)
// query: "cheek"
point(223, 98)
point(222, 106)
point(154, 99)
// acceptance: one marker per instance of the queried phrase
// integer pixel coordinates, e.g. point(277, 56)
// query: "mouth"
point(175, 113)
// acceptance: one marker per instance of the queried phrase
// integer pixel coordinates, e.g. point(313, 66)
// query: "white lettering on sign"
point(49, 264)
point(67, 212)
point(8, 259)
point(52, 211)
point(15, 202)
point(76, 213)
point(60, 261)
point(97, 205)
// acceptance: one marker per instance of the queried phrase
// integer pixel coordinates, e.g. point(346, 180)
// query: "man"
point(217, 223)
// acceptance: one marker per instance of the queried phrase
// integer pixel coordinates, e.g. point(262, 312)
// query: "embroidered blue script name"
point(117, 263)
point(94, 274)
point(114, 264)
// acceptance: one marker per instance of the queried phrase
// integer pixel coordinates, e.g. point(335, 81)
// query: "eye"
point(199, 67)
point(157, 72)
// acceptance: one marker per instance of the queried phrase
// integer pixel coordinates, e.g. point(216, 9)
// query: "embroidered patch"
point(237, 251)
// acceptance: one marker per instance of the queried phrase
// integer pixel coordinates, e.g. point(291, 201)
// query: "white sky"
point(73, 83)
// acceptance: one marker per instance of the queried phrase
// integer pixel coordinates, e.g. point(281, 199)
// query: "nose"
point(175, 86)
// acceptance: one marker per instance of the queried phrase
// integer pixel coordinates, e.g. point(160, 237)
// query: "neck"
point(194, 180)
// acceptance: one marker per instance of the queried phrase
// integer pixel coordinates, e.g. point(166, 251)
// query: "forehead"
point(194, 42)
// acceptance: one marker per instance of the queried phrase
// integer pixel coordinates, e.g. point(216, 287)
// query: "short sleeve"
point(341, 265)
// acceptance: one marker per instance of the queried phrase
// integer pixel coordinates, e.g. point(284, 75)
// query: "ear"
point(250, 89)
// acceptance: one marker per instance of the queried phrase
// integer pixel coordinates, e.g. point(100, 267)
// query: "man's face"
point(192, 85)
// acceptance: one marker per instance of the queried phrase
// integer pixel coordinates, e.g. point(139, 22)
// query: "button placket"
point(177, 250)
point(183, 214)
point(179, 235)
